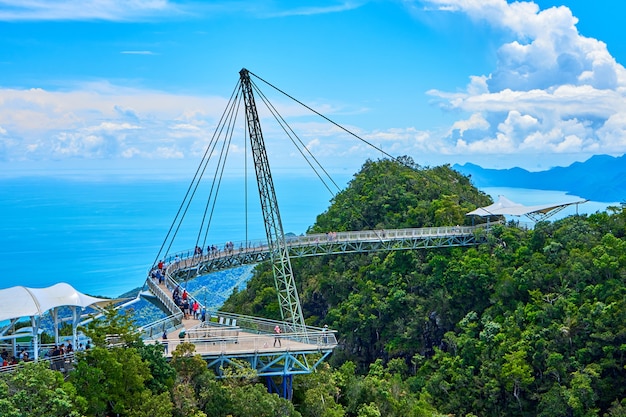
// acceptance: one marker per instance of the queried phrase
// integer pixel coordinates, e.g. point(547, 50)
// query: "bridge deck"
point(245, 343)
point(225, 337)
point(188, 264)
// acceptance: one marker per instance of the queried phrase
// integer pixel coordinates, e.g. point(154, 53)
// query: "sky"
point(137, 87)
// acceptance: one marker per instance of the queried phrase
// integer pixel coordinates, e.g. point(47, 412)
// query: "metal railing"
point(156, 329)
point(239, 343)
point(63, 363)
point(166, 300)
point(189, 259)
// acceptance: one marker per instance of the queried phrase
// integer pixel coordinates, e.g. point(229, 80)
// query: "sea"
point(102, 236)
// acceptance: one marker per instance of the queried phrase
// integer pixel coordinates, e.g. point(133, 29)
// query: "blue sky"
point(137, 86)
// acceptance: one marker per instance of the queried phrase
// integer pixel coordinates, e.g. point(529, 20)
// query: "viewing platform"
point(225, 337)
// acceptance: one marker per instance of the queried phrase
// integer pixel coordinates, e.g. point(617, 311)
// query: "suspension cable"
point(193, 186)
point(287, 129)
point(391, 157)
point(289, 132)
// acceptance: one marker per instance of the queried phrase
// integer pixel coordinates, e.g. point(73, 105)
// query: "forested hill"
point(531, 324)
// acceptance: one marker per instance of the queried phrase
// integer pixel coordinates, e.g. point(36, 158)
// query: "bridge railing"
point(233, 343)
point(189, 259)
point(156, 329)
point(61, 363)
point(167, 301)
point(382, 234)
point(256, 325)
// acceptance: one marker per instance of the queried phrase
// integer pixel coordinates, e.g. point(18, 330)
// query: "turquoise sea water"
point(101, 237)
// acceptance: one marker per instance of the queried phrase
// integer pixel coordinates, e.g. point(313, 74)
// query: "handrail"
point(257, 324)
point(188, 258)
point(157, 328)
point(56, 362)
point(244, 342)
point(164, 298)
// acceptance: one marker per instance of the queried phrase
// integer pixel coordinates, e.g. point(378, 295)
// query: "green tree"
point(33, 389)
point(117, 326)
point(114, 381)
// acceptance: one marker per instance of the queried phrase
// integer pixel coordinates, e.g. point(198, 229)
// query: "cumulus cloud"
point(551, 90)
point(104, 121)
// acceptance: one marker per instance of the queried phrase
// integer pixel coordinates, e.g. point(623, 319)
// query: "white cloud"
point(104, 121)
point(551, 90)
point(334, 7)
point(476, 121)
point(137, 53)
point(142, 10)
point(114, 10)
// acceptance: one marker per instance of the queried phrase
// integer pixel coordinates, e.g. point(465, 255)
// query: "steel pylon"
point(288, 299)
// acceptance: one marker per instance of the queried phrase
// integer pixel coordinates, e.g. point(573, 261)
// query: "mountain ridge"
point(600, 178)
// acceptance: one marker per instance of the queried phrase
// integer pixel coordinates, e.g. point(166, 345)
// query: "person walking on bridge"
point(277, 335)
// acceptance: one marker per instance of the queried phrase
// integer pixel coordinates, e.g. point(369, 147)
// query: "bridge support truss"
point(290, 308)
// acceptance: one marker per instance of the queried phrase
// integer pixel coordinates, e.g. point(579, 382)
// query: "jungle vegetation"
point(532, 323)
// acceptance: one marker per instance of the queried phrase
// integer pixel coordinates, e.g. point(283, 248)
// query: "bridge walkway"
point(232, 335)
point(189, 264)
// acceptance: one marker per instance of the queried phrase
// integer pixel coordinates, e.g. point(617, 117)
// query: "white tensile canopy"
point(504, 207)
point(19, 302)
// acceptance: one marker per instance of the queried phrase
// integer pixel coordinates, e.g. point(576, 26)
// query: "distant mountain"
point(600, 178)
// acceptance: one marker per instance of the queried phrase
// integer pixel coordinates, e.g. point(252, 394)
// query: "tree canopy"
point(531, 323)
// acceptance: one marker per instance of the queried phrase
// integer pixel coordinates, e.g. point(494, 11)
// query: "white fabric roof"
point(504, 206)
point(20, 301)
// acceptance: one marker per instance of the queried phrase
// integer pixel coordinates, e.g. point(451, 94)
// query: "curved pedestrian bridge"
point(226, 339)
point(187, 264)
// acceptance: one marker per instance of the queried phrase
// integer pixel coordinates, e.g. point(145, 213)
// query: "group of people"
point(6, 359)
point(56, 353)
point(190, 308)
point(214, 250)
point(211, 251)
point(158, 273)
point(61, 350)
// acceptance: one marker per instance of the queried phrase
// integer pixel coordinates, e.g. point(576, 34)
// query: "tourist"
point(195, 308)
point(277, 332)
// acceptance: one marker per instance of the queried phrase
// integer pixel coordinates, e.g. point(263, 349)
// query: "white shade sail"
point(21, 301)
point(506, 207)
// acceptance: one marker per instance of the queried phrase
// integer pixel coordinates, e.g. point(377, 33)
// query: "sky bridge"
point(185, 265)
point(226, 340)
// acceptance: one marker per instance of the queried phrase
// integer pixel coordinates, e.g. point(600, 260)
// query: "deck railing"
point(188, 258)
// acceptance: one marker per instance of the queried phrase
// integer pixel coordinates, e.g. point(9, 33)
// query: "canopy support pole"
point(34, 322)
